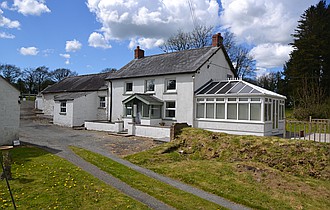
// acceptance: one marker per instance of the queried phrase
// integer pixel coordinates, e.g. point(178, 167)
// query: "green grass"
point(45, 181)
point(166, 193)
point(260, 172)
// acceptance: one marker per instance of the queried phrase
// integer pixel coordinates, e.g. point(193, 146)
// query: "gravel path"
point(56, 139)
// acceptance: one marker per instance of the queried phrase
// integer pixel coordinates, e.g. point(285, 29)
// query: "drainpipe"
point(110, 101)
point(194, 103)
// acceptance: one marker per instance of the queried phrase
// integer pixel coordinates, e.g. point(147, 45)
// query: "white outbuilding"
point(9, 113)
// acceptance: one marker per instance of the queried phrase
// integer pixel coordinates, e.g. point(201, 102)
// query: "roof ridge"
point(176, 52)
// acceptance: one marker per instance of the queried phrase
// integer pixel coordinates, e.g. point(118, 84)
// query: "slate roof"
point(145, 98)
point(70, 96)
point(82, 83)
point(187, 61)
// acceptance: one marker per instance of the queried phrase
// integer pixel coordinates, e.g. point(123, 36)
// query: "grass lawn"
point(164, 192)
point(260, 172)
point(45, 181)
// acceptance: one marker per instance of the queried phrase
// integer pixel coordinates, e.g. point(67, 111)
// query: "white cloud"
point(4, 35)
point(145, 43)
point(31, 7)
point(261, 21)
point(67, 57)
point(157, 19)
point(29, 51)
point(72, 46)
point(7, 23)
point(265, 24)
point(97, 40)
point(271, 55)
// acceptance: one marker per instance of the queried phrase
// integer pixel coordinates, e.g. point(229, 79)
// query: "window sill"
point(62, 113)
point(170, 92)
point(170, 119)
point(127, 93)
point(102, 108)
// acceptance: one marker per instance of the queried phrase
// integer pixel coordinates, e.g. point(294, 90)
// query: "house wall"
point(85, 108)
point(9, 112)
point(101, 112)
point(217, 69)
point(61, 118)
point(48, 104)
point(39, 102)
point(183, 96)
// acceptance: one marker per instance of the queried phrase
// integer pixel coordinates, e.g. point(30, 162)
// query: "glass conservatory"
point(239, 107)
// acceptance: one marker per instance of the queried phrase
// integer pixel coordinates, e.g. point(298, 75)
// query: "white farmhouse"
point(9, 113)
point(160, 89)
point(75, 99)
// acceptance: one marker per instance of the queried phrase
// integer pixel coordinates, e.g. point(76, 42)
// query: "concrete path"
point(56, 139)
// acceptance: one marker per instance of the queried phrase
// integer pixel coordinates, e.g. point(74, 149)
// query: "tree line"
point(33, 80)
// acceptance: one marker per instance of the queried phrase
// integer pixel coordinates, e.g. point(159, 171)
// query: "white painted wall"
point(9, 113)
point(85, 108)
point(234, 127)
point(39, 102)
point(218, 70)
point(101, 126)
point(48, 104)
point(102, 112)
point(61, 118)
point(183, 96)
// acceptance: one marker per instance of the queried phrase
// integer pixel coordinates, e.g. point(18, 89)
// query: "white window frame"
point(63, 107)
point(102, 103)
point(228, 100)
point(170, 109)
point(167, 82)
point(128, 91)
point(146, 85)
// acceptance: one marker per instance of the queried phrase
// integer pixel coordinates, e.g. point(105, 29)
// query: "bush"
point(321, 111)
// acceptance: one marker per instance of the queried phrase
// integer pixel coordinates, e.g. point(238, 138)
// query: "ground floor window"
point(102, 102)
point(63, 107)
point(229, 108)
point(170, 109)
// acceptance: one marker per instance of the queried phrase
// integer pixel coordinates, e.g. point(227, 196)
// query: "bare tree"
point(61, 73)
point(110, 70)
point(198, 38)
point(10, 72)
point(243, 62)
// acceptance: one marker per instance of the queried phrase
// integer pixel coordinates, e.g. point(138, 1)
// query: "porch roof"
point(145, 98)
point(235, 88)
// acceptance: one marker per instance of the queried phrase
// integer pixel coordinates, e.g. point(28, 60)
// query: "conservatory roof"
point(234, 88)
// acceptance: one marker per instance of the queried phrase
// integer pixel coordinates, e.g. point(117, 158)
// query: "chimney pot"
point(217, 40)
point(138, 53)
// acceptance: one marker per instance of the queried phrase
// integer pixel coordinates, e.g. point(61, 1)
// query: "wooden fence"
point(314, 129)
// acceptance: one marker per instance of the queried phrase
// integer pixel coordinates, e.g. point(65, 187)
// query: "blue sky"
point(89, 36)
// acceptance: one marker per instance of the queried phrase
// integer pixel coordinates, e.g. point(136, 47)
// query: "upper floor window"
point(63, 107)
point(170, 85)
point(102, 102)
point(128, 86)
point(150, 85)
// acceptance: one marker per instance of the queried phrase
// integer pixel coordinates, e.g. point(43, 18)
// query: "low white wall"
point(101, 126)
point(239, 128)
point(159, 133)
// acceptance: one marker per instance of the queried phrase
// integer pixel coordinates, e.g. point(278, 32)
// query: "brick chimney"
point(138, 53)
point(217, 40)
